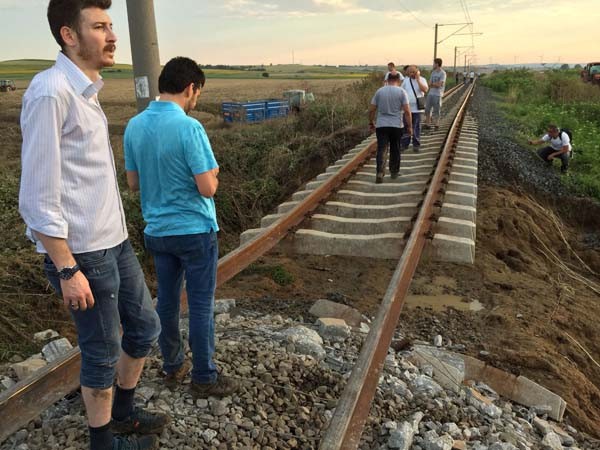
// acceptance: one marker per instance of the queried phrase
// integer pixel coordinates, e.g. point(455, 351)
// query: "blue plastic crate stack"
point(255, 111)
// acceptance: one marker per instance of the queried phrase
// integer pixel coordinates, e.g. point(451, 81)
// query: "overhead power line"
point(413, 15)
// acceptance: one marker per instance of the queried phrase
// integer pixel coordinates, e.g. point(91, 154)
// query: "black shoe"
point(223, 387)
point(142, 422)
point(394, 175)
point(564, 170)
point(136, 443)
point(378, 179)
point(416, 148)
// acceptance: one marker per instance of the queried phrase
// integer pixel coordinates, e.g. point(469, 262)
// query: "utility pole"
point(144, 50)
point(456, 33)
point(455, 48)
point(435, 42)
point(456, 54)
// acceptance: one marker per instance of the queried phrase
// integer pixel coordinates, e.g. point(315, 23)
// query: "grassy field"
point(25, 69)
point(534, 100)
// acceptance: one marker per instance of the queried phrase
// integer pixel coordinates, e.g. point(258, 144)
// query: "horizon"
point(252, 32)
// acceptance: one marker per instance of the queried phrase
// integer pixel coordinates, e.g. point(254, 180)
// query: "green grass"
point(534, 100)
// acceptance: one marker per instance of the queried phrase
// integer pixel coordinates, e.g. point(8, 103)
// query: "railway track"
point(437, 214)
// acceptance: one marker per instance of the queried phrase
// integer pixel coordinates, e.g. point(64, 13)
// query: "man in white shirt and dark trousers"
point(560, 147)
point(416, 87)
point(69, 199)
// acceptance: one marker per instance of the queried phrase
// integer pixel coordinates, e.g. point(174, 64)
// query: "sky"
point(335, 32)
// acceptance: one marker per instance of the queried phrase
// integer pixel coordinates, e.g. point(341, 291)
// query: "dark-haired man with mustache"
point(70, 201)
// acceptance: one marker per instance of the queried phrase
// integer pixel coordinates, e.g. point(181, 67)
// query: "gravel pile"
point(292, 375)
point(504, 162)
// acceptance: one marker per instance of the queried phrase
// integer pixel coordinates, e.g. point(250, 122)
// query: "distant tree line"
point(227, 67)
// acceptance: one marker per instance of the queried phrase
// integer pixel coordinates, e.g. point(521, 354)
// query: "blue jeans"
point(416, 127)
point(121, 297)
point(195, 256)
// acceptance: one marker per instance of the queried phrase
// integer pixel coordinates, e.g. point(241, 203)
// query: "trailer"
point(254, 111)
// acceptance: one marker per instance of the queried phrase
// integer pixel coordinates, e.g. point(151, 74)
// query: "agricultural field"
point(24, 69)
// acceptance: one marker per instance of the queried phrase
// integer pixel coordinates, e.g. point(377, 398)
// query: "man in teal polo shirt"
point(168, 157)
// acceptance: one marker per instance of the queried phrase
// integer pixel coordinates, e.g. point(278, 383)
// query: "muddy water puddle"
point(442, 302)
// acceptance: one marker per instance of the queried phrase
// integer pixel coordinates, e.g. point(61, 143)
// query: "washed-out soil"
point(536, 273)
point(531, 305)
point(540, 316)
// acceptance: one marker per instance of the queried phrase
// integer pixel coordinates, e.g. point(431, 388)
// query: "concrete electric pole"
point(144, 50)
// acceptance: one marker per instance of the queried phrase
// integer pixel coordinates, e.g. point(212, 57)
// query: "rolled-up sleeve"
point(40, 191)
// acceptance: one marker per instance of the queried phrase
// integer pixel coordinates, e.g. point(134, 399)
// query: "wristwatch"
point(66, 273)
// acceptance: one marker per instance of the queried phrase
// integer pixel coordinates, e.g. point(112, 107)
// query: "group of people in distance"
point(396, 109)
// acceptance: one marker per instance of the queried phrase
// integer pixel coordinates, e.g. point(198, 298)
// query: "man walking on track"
point(70, 201)
point(433, 101)
point(416, 87)
point(389, 103)
point(391, 68)
point(169, 159)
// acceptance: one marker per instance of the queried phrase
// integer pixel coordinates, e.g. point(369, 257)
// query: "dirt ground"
point(535, 314)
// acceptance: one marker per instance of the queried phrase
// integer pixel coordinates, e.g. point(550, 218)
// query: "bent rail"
point(354, 405)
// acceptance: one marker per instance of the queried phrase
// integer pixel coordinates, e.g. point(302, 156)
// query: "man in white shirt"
point(391, 68)
point(560, 147)
point(415, 86)
point(69, 199)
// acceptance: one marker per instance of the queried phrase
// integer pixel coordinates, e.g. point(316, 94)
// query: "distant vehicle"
point(7, 85)
point(298, 98)
point(591, 73)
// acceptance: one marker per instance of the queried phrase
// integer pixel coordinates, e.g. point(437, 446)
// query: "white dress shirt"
point(69, 185)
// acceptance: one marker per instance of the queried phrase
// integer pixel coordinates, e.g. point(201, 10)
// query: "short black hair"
point(67, 13)
point(178, 74)
point(406, 67)
point(552, 127)
point(438, 61)
point(391, 64)
point(394, 76)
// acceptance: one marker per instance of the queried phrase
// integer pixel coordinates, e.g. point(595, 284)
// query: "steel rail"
point(28, 398)
point(24, 401)
point(354, 405)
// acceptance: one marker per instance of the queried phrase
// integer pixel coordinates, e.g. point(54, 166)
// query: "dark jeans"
point(416, 126)
point(547, 151)
point(121, 298)
point(195, 256)
point(385, 136)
